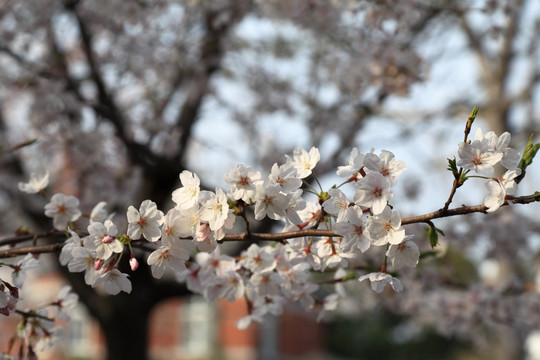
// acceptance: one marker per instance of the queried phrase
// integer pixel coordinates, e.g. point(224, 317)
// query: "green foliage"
point(459, 174)
point(427, 254)
point(433, 235)
point(456, 269)
point(383, 335)
point(452, 166)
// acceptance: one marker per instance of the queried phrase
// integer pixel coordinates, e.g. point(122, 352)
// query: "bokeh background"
point(124, 95)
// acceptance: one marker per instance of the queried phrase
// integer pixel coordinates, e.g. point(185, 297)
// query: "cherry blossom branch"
point(458, 180)
point(32, 314)
point(30, 250)
point(463, 210)
point(425, 218)
point(280, 237)
point(57, 235)
point(336, 280)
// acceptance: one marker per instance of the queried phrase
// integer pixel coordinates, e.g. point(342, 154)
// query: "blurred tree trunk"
point(125, 318)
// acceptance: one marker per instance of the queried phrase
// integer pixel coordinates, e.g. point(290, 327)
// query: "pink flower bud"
point(107, 239)
point(98, 264)
point(108, 268)
point(13, 290)
point(203, 231)
point(133, 263)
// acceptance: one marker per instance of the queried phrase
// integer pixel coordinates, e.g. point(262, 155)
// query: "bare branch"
point(277, 237)
point(463, 210)
point(30, 250)
point(56, 235)
point(17, 147)
point(107, 108)
point(27, 314)
point(508, 52)
point(212, 53)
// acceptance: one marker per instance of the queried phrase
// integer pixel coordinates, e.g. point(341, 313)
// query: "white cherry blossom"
point(21, 267)
point(510, 156)
point(114, 281)
point(385, 164)
point(295, 278)
point(385, 228)
point(268, 305)
point(478, 156)
point(65, 301)
point(188, 195)
point(204, 239)
point(243, 181)
point(267, 283)
point(84, 260)
point(270, 202)
point(3, 297)
point(62, 209)
point(215, 209)
point(285, 176)
point(146, 221)
point(373, 191)
point(259, 259)
point(232, 287)
point(99, 214)
point(353, 229)
point(102, 239)
point(72, 242)
point(379, 281)
point(191, 278)
point(166, 257)
point(330, 303)
point(337, 204)
point(304, 161)
point(175, 226)
point(356, 163)
point(499, 188)
point(302, 251)
point(404, 254)
point(214, 263)
point(296, 203)
point(36, 183)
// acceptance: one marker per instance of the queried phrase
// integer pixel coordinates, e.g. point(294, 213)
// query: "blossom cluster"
point(37, 329)
point(482, 154)
point(268, 276)
point(184, 241)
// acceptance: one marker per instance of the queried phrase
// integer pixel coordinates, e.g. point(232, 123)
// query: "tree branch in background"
point(212, 53)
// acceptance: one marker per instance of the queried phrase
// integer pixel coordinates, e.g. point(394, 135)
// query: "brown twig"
point(32, 314)
point(277, 237)
point(30, 250)
point(463, 210)
point(17, 146)
point(17, 239)
point(457, 176)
